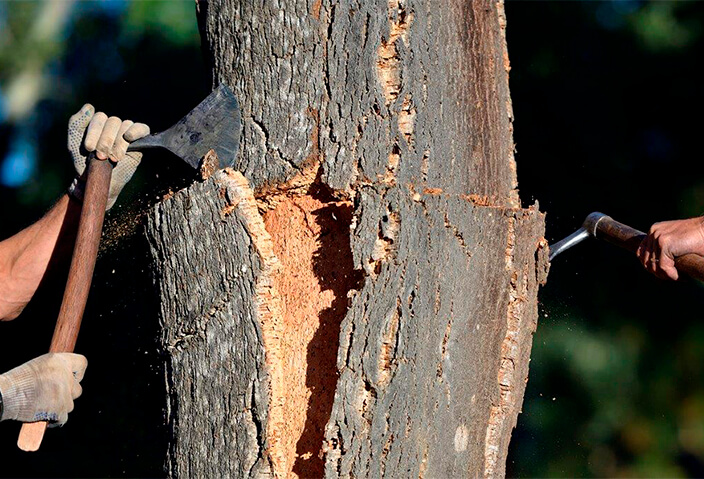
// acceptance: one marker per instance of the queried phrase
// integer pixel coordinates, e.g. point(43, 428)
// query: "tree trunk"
point(357, 296)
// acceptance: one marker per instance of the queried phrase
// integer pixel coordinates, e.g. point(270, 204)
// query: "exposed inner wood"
point(310, 235)
point(406, 119)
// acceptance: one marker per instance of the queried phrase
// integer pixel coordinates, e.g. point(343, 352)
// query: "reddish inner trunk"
point(310, 234)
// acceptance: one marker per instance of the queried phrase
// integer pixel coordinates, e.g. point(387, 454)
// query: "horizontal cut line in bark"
point(479, 200)
point(309, 172)
point(268, 196)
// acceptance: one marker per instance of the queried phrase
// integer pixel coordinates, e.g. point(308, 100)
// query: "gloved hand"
point(109, 138)
point(43, 389)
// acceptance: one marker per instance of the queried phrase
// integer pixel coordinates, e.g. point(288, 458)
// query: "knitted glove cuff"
point(77, 189)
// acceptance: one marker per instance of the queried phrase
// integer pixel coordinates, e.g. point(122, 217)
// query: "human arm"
point(666, 241)
point(26, 257)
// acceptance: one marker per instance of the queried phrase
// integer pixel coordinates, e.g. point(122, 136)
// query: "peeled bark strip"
point(360, 300)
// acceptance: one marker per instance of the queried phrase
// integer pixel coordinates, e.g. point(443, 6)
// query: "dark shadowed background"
point(606, 97)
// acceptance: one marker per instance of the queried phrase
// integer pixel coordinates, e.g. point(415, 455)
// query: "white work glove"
point(109, 138)
point(43, 389)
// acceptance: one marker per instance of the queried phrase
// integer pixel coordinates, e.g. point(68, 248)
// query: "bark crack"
point(384, 247)
point(388, 57)
point(259, 431)
point(458, 235)
point(195, 326)
point(389, 346)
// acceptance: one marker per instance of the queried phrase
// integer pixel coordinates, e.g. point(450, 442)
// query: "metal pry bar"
point(587, 230)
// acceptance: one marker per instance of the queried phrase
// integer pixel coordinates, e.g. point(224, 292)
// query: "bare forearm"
point(26, 256)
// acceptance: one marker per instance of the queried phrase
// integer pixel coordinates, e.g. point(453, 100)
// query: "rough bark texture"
point(360, 300)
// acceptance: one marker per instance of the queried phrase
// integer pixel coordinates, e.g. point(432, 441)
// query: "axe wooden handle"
point(90, 227)
point(629, 238)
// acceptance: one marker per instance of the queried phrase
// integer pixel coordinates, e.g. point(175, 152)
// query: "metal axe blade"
point(213, 124)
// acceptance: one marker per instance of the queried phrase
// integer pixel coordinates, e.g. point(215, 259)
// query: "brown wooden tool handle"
point(618, 234)
point(629, 238)
point(90, 227)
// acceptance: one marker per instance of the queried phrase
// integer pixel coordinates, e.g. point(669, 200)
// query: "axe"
point(601, 226)
point(213, 124)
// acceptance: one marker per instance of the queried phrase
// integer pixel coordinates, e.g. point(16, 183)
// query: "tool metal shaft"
point(577, 237)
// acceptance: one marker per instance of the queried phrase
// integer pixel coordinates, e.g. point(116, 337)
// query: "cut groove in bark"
point(310, 234)
point(502, 415)
point(303, 242)
point(269, 310)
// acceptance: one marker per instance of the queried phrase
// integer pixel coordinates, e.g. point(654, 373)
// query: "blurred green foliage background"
point(606, 97)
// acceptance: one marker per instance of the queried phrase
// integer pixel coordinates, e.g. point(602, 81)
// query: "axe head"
point(213, 124)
